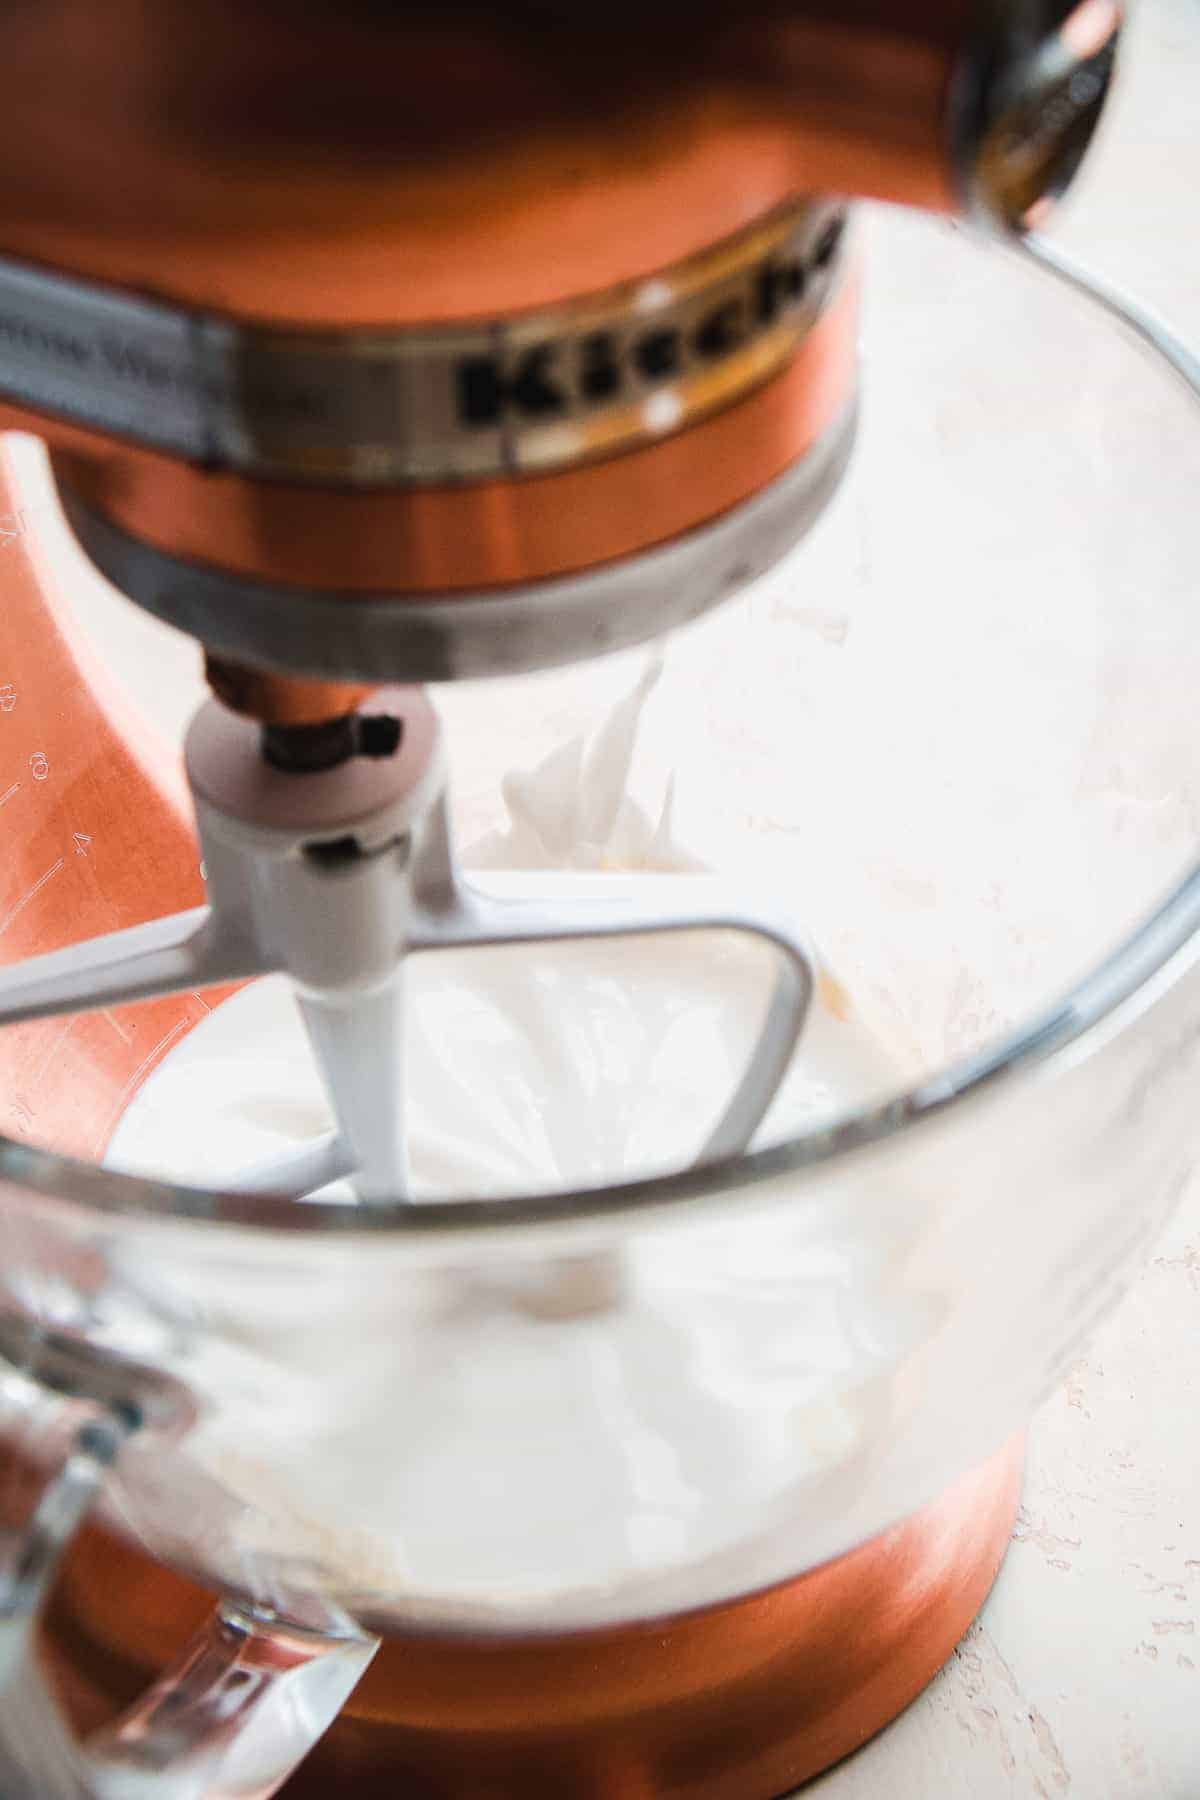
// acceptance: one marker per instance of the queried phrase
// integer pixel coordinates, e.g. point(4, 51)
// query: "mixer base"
point(742, 1701)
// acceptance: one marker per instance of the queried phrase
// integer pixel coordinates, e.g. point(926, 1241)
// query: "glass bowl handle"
point(241, 1707)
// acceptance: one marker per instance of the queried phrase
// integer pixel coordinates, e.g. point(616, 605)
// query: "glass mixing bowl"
point(955, 733)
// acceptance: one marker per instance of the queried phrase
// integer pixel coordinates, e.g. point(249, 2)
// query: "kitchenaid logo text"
point(141, 364)
point(376, 407)
point(29, 338)
point(563, 376)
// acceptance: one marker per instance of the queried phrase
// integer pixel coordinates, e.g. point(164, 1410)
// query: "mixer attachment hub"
point(306, 749)
point(328, 857)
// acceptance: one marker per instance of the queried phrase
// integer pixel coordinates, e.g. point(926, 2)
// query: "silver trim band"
point(542, 390)
point(361, 637)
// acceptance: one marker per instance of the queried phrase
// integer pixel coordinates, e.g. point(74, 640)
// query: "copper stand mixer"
point(384, 345)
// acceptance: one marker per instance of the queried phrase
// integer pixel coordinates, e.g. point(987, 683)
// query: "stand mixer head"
point(331, 482)
point(589, 373)
point(578, 383)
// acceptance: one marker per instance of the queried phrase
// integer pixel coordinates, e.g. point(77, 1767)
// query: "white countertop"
point(1082, 1675)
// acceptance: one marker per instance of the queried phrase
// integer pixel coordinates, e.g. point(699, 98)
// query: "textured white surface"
point(1082, 1676)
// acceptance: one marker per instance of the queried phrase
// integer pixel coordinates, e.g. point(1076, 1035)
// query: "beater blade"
point(334, 879)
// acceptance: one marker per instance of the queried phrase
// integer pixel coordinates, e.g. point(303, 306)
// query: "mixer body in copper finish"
point(417, 343)
point(404, 311)
point(739, 1702)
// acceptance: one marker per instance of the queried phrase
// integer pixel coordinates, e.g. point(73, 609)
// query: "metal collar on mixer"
point(351, 636)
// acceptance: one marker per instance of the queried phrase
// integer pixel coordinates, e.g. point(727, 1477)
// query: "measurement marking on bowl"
point(34, 891)
point(125, 1036)
point(8, 793)
point(36, 1075)
point(131, 1085)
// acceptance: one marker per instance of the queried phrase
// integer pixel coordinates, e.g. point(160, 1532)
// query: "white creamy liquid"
point(548, 1428)
point(527, 1069)
point(498, 1439)
point(532, 1067)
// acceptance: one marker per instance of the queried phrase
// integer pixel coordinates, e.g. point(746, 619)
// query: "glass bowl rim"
point(1128, 979)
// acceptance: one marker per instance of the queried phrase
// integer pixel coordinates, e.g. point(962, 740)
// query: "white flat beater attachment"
point(334, 877)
